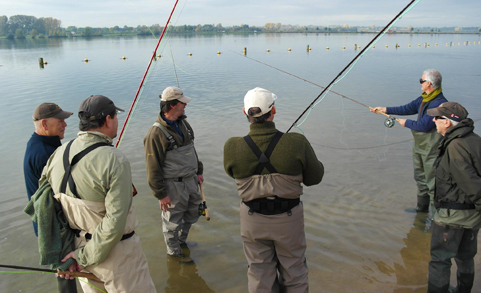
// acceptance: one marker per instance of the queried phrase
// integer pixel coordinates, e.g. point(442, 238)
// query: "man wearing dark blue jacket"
point(426, 138)
point(49, 120)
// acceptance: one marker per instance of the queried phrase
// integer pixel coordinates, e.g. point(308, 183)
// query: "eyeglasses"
point(421, 81)
point(182, 103)
point(439, 117)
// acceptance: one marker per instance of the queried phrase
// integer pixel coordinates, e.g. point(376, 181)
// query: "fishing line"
point(127, 119)
point(351, 64)
point(173, 62)
point(301, 78)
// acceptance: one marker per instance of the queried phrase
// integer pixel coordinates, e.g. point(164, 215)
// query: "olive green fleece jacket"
point(156, 146)
point(293, 155)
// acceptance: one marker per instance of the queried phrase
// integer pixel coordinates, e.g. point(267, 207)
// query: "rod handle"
point(81, 275)
point(207, 217)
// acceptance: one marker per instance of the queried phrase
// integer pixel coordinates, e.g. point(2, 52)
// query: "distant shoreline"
point(243, 33)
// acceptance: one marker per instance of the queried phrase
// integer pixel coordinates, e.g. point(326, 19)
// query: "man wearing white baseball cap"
point(174, 171)
point(269, 167)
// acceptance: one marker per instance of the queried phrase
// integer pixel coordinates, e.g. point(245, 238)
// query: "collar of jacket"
point(461, 129)
point(164, 122)
point(94, 136)
point(267, 127)
point(50, 140)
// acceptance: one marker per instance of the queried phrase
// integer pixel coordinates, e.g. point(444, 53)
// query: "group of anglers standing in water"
point(85, 221)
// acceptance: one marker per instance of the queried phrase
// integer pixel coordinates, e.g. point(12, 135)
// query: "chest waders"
point(272, 205)
point(180, 162)
point(67, 178)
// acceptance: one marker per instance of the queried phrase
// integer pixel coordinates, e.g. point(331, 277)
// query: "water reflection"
point(184, 277)
point(412, 274)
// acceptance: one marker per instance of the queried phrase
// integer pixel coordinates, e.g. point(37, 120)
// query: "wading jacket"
point(458, 176)
point(157, 145)
point(293, 158)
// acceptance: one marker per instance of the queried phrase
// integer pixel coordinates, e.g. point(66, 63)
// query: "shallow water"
point(359, 236)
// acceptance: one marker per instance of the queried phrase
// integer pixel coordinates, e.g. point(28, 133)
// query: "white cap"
point(174, 93)
point(260, 98)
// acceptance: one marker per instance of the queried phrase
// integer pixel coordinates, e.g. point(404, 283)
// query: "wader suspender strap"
point(68, 166)
point(169, 137)
point(188, 130)
point(264, 157)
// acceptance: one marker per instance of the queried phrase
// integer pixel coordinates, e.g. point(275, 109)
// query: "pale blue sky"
point(108, 13)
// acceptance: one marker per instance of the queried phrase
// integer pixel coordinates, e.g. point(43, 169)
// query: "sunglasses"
point(421, 81)
point(439, 117)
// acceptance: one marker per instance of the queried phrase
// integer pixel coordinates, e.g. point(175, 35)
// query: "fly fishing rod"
point(398, 16)
point(59, 272)
point(143, 78)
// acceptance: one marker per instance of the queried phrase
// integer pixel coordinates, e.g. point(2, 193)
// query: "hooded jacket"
point(458, 175)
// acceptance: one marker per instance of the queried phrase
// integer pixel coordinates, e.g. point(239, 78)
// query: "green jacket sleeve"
point(155, 146)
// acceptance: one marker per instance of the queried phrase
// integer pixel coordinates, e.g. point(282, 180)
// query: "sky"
point(109, 13)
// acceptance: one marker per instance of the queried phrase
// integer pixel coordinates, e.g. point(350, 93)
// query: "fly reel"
point(389, 122)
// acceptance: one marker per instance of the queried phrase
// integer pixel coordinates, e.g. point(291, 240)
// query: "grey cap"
point(451, 110)
point(49, 110)
point(96, 107)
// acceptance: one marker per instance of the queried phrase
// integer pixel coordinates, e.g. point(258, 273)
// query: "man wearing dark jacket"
point(457, 198)
point(269, 168)
point(49, 121)
point(426, 139)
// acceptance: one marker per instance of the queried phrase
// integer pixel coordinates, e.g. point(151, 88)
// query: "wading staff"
point(400, 14)
point(59, 272)
point(143, 78)
point(207, 217)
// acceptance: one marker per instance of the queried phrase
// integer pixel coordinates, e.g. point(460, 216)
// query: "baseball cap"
point(48, 110)
point(451, 110)
point(95, 107)
point(260, 98)
point(174, 93)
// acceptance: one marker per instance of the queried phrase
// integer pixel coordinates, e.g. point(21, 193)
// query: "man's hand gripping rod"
point(390, 119)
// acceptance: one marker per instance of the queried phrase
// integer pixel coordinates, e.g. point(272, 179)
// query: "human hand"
point(75, 267)
point(201, 178)
point(378, 110)
point(402, 122)
point(165, 204)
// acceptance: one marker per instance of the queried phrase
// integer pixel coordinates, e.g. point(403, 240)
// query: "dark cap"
point(96, 107)
point(49, 110)
point(451, 110)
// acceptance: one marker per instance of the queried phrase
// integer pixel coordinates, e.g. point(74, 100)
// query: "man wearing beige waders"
point(174, 171)
point(92, 181)
point(269, 167)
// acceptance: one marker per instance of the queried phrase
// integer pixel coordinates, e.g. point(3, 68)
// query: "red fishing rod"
point(143, 78)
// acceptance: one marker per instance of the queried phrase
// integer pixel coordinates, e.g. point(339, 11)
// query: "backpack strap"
point(263, 158)
point(68, 166)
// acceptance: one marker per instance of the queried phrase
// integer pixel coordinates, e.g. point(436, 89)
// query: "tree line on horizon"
point(21, 26)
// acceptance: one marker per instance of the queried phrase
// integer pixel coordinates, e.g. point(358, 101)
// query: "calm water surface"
point(360, 238)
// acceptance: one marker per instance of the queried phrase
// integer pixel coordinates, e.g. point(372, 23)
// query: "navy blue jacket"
point(425, 122)
point(39, 150)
